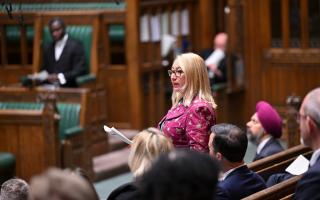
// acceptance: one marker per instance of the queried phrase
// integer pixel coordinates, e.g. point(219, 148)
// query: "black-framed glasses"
point(177, 73)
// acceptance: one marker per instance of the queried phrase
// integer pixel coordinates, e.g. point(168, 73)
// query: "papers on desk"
point(118, 134)
point(298, 166)
point(41, 76)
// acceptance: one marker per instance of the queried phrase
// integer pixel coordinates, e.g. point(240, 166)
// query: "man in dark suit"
point(264, 128)
point(64, 57)
point(309, 119)
point(228, 144)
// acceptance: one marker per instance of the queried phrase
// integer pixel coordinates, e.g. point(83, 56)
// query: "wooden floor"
point(114, 162)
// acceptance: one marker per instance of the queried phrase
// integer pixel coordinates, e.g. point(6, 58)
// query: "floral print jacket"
point(189, 127)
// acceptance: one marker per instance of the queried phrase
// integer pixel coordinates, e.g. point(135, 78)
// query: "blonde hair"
point(146, 146)
point(197, 80)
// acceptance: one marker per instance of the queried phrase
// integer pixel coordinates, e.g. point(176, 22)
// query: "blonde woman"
point(146, 146)
point(192, 114)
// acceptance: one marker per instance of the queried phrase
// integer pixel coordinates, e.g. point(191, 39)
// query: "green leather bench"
point(69, 123)
point(7, 166)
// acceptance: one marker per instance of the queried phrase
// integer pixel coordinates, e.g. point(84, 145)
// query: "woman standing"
point(192, 114)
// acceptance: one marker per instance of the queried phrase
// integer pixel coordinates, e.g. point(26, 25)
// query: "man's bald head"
point(220, 41)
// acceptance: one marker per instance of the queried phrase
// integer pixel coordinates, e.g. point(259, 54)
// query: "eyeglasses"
point(177, 73)
point(299, 116)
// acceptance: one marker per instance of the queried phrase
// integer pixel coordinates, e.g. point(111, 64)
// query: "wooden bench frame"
point(32, 136)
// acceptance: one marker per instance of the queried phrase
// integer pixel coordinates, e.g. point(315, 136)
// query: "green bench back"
point(69, 113)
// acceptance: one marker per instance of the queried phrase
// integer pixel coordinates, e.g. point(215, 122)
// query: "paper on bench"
point(115, 132)
point(298, 166)
point(43, 75)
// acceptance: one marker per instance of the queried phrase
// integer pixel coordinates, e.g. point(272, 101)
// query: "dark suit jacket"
point(240, 183)
point(309, 185)
point(71, 63)
point(273, 146)
point(126, 191)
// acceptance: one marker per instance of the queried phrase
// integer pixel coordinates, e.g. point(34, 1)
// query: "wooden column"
point(206, 17)
point(132, 56)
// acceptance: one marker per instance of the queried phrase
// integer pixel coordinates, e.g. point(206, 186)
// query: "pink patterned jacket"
point(189, 127)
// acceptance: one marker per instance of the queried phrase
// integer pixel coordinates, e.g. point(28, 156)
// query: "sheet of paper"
point(113, 131)
point(298, 166)
point(155, 28)
point(185, 22)
point(215, 57)
point(144, 28)
point(167, 44)
point(175, 23)
point(164, 23)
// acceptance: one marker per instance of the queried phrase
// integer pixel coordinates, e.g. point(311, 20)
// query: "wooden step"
point(111, 164)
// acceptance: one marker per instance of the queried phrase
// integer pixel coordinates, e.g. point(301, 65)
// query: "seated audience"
point(146, 146)
point(180, 175)
point(228, 144)
point(264, 128)
point(309, 119)
point(14, 189)
point(56, 184)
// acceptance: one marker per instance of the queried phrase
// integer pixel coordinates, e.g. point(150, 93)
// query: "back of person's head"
point(146, 146)
point(311, 105)
point(180, 175)
point(197, 80)
point(56, 184)
point(14, 189)
point(230, 141)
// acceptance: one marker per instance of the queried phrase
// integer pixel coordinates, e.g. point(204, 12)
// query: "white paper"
point(298, 166)
point(144, 28)
point(185, 22)
point(115, 132)
point(165, 23)
point(215, 57)
point(167, 44)
point(155, 28)
point(175, 23)
point(43, 75)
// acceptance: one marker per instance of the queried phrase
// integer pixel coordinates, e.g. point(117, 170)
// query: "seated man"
point(228, 144)
point(64, 57)
point(264, 128)
point(14, 189)
point(216, 61)
point(309, 119)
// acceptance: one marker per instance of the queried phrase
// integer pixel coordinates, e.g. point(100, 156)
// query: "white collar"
point(314, 157)
point(63, 40)
point(262, 144)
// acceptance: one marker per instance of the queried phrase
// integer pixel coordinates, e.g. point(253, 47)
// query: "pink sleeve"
point(198, 123)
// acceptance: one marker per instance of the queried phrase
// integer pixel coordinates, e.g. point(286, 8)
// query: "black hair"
point(230, 141)
point(57, 19)
point(180, 175)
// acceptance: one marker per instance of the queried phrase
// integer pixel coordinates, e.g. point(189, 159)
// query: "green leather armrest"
point(7, 160)
point(73, 131)
point(85, 79)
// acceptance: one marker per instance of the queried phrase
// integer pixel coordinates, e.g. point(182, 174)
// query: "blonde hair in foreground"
point(146, 146)
point(197, 80)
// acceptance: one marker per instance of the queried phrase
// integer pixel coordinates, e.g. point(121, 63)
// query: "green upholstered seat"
point(116, 32)
point(69, 123)
point(7, 166)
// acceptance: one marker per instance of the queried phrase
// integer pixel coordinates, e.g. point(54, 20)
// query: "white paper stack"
point(115, 132)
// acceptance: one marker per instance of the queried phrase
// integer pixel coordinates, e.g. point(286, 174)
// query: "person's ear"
point(219, 156)
point(312, 125)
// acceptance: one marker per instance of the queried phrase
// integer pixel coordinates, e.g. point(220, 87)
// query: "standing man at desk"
point(64, 57)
